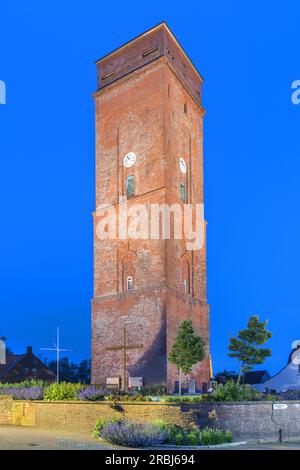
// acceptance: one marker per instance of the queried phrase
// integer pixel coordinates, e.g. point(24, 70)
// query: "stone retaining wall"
point(253, 421)
point(250, 421)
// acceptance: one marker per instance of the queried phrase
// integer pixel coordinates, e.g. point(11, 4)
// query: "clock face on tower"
point(129, 159)
point(182, 165)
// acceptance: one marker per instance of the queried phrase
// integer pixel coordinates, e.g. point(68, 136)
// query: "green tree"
point(246, 346)
point(83, 374)
point(72, 372)
point(187, 350)
point(67, 369)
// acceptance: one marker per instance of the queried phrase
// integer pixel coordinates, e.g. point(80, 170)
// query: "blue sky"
point(248, 54)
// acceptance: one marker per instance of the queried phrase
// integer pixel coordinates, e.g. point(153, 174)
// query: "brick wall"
point(5, 410)
point(81, 416)
point(249, 421)
point(149, 104)
point(254, 421)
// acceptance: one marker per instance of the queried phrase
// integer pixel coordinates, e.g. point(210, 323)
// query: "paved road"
point(27, 438)
point(23, 438)
point(274, 446)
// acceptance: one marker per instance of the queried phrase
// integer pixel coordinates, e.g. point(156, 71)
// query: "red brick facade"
point(148, 102)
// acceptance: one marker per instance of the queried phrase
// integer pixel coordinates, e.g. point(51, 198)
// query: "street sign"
point(280, 406)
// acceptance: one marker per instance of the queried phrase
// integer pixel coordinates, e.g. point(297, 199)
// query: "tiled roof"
point(11, 361)
point(255, 376)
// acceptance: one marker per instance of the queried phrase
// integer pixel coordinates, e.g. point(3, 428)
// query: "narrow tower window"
point(150, 52)
point(182, 192)
point(185, 108)
point(185, 286)
point(130, 186)
point(129, 282)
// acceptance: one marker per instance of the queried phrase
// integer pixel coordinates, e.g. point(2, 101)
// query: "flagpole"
point(57, 355)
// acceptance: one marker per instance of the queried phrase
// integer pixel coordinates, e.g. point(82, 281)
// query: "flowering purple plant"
point(131, 434)
point(24, 393)
point(92, 393)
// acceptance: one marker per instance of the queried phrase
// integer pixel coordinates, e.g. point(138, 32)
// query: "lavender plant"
point(132, 434)
point(92, 393)
point(23, 393)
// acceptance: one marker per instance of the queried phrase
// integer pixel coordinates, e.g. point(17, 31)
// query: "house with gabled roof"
point(27, 366)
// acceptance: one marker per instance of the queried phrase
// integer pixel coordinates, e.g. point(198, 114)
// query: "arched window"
point(182, 191)
point(129, 283)
point(130, 186)
point(186, 280)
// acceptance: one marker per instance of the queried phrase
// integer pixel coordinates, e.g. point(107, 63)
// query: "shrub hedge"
point(38, 390)
point(133, 434)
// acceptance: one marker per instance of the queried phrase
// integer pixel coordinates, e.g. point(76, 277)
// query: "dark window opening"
point(182, 192)
point(108, 75)
point(150, 52)
point(130, 186)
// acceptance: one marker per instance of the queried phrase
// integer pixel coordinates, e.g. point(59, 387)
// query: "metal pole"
point(57, 355)
point(57, 350)
point(124, 360)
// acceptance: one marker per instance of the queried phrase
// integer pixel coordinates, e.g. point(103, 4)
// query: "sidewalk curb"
point(215, 446)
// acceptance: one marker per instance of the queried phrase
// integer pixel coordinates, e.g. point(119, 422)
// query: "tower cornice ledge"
point(157, 43)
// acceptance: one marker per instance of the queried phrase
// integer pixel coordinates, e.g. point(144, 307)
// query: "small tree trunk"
point(240, 374)
point(179, 381)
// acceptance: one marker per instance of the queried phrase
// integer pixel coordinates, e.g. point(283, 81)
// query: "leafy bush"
point(131, 434)
point(62, 391)
point(125, 397)
point(182, 399)
point(23, 393)
point(214, 436)
point(193, 436)
point(268, 397)
point(233, 391)
point(25, 383)
point(175, 434)
point(92, 393)
point(155, 390)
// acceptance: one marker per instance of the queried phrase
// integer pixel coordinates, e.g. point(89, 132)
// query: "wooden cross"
point(124, 347)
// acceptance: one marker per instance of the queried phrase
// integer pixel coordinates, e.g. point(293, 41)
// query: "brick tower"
point(149, 129)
